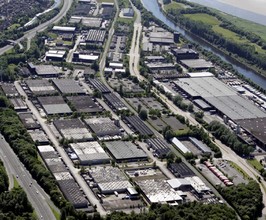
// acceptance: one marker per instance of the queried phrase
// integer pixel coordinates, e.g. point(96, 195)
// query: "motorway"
point(37, 197)
point(31, 33)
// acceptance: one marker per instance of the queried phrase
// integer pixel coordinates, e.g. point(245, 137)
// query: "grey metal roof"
point(235, 107)
point(57, 109)
point(68, 86)
point(122, 150)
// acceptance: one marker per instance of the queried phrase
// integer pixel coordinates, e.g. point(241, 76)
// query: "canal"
point(154, 8)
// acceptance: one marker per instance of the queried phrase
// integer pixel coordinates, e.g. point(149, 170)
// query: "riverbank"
point(240, 61)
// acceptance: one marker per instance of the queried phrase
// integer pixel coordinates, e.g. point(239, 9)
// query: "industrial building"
point(200, 145)
point(47, 151)
point(84, 104)
point(73, 129)
point(104, 128)
point(114, 102)
point(159, 191)
point(196, 64)
point(160, 147)
point(63, 29)
point(224, 99)
point(68, 86)
point(54, 105)
point(181, 147)
point(256, 127)
point(71, 190)
point(125, 151)
point(109, 179)
point(29, 121)
point(139, 126)
point(164, 38)
point(181, 170)
point(19, 104)
point(38, 136)
point(185, 53)
point(95, 36)
point(91, 22)
point(9, 89)
point(180, 184)
point(84, 58)
point(55, 55)
point(40, 87)
point(44, 70)
point(90, 153)
point(55, 165)
point(98, 85)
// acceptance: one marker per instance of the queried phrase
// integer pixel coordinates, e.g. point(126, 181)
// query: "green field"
point(174, 5)
point(214, 22)
point(205, 18)
point(249, 26)
point(229, 34)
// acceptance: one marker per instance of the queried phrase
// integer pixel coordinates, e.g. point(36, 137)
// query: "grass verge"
point(240, 170)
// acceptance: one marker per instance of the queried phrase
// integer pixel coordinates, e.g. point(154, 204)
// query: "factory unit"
point(109, 180)
point(185, 53)
point(54, 105)
point(226, 102)
point(90, 153)
point(125, 151)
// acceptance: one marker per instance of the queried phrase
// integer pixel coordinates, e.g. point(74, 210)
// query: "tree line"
point(246, 199)
point(227, 137)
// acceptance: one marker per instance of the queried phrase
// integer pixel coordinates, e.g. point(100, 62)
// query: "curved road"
point(31, 33)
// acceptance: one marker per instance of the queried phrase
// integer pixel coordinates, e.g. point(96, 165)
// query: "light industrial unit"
point(73, 129)
point(125, 151)
point(90, 153)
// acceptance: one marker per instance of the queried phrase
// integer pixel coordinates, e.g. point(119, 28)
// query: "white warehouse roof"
point(61, 28)
point(180, 146)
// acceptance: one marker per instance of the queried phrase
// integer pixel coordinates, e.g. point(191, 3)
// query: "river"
point(153, 6)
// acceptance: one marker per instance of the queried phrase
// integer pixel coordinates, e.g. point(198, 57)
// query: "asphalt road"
point(31, 33)
point(37, 197)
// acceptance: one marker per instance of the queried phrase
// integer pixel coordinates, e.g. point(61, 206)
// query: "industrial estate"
point(125, 113)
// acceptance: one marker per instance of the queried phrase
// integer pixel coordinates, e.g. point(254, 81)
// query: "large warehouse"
point(217, 94)
point(125, 151)
point(68, 86)
point(73, 129)
point(104, 128)
point(90, 153)
point(54, 105)
point(227, 102)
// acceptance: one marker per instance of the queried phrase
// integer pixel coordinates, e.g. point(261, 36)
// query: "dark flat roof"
point(255, 126)
point(139, 125)
point(84, 104)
